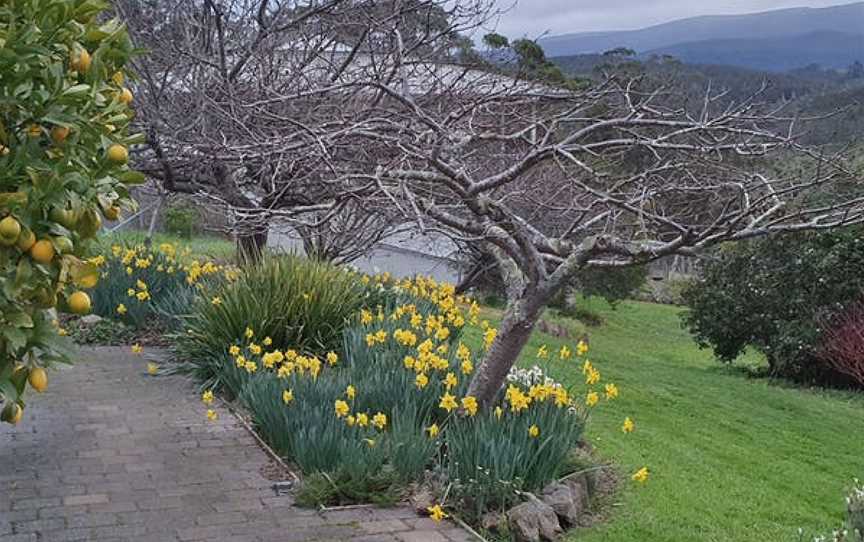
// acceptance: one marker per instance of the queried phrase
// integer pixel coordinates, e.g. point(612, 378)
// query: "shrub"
point(771, 294)
point(296, 303)
point(63, 151)
point(181, 219)
point(843, 342)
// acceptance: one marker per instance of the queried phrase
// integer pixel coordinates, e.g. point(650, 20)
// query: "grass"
point(209, 246)
point(731, 458)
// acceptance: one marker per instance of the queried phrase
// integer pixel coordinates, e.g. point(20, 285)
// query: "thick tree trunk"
point(251, 244)
point(514, 332)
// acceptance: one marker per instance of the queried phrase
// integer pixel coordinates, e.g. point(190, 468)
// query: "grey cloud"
point(533, 17)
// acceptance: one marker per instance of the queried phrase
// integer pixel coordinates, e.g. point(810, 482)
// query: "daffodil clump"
point(139, 283)
point(392, 402)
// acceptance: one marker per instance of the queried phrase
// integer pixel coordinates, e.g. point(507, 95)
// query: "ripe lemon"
point(81, 61)
point(126, 96)
point(59, 134)
point(10, 229)
point(12, 413)
point(88, 281)
point(118, 154)
point(26, 240)
point(79, 303)
point(42, 251)
point(38, 379)
point(18, 415)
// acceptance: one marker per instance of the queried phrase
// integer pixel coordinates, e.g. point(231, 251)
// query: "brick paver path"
point(108, 453)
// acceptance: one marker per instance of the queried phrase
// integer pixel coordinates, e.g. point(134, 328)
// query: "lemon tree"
point(64, 113)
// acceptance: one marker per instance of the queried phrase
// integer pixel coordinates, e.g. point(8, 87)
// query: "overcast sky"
point(531, 18)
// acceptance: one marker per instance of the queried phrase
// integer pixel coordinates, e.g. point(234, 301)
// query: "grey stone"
point(566, 500)
point(492, 521)
point(421, 500)
point(533, 521)
point(91, 319)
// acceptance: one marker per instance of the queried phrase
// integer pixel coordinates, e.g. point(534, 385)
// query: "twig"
point(468, 528)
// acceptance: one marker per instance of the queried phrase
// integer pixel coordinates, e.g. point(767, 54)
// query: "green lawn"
point(731, 458)
point(209, 246)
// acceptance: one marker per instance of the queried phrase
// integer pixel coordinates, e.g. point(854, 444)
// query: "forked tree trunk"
point(251, 245)
point(520, 318)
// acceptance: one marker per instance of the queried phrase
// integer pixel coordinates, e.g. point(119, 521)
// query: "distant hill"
point(828, 49)
point(773, 40)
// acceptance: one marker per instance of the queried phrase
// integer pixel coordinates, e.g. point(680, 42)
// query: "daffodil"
point(581, 348)
point(450, 381)
point(641, 475)
point(421, 380)
point(332, 358)
point(137, 348)
point(436, 513)
point(533, 431)
point(379, 420)
point(628, 426)
point(542, 352)
point(448, 402)
point(152, 369)
point(121, 309)
point(350, 392)
point(469, 403)
point(216, 301)
point(592, 398)
point(564, 353)
point(207, 397)
point(287, 396)
point(362, 419)
point(611, 391)
point(433, 430)
point(341, 408)
point(212, 415)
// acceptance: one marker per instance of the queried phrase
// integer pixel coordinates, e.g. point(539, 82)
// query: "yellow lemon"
point(111, 213)
point(79, 303)
point(59, 134)
point(10, 229)
point(42, 251)
point(81, 61)
point(118, 154)
point(64, 244)
point(26, 240)
point(11, 413)
point(126, 96)
point(38, 379)
point(88, 281)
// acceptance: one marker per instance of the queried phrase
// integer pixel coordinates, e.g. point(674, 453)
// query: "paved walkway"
point(108, 454)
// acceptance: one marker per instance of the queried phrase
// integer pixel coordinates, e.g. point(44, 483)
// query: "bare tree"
point(554, 181)
point(300, 109)
point(236, 94)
